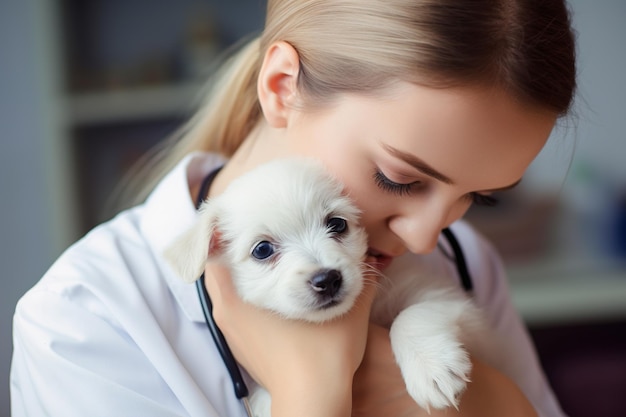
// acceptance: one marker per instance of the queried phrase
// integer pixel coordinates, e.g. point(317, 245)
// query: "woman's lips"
point(378, 260)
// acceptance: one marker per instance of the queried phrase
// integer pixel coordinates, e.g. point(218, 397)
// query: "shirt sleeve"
point(71, 362)
point(518, 357)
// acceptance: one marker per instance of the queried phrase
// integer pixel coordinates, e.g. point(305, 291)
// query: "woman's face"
point(415, 160)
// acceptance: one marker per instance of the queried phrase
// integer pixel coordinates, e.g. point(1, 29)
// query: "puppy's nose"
point(326, 282)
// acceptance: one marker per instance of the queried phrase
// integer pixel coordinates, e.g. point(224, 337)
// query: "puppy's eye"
point(337, 225)
point(263, 250)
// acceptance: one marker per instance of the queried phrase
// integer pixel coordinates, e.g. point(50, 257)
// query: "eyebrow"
point(417, 163)
point(426, 169)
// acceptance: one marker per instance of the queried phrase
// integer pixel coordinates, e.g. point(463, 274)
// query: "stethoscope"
point(239, 385)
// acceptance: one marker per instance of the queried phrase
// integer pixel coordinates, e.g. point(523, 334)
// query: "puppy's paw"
point(437, 378)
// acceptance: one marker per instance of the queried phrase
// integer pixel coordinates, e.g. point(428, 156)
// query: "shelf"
point(134, 104)
point(559, 294)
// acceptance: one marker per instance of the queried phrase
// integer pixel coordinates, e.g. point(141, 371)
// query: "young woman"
point(421, 107)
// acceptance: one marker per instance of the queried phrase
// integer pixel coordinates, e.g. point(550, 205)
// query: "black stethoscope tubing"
point(239, 385)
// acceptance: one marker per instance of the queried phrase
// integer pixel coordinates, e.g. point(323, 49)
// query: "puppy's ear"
point(189, 253)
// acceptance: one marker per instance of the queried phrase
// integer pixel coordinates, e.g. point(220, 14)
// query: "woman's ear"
point(277, 82)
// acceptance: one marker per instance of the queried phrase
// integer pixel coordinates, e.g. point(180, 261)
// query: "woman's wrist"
point(318, 393)
point(491, 393)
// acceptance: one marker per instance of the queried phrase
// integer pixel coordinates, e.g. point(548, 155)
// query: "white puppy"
point(292, 241)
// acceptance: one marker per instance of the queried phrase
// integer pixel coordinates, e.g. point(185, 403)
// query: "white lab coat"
point(111, 331)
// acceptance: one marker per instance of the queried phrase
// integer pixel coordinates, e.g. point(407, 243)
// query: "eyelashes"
point(483, 200)
point(386, 184)
point(392, 187)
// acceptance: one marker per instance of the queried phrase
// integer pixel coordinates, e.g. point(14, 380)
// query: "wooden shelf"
point(558, 292)
point(133, 104)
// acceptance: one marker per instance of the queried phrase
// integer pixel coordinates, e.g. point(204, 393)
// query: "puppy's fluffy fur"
point(292, 240)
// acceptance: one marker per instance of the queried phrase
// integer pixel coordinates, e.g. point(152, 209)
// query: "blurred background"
point(87, 86)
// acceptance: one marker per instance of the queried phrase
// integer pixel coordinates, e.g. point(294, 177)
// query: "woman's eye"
point(386, 184)
point(483, 200)
point(337, 225)
point(263, 250)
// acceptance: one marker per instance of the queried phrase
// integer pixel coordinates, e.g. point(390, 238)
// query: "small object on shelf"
point(143, 103)
point(201, 45)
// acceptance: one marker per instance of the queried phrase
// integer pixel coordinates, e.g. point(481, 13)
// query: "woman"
point(421, 108)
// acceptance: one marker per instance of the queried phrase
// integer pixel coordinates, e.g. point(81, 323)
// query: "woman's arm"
point(379, 389)
point(307, 368)
point(70, 342)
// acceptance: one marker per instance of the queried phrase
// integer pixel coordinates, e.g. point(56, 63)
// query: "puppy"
point(293, 243)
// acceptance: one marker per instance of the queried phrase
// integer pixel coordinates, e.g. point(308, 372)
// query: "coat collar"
point(169, 211)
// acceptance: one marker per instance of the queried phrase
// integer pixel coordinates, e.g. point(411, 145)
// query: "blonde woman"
point(422, 108)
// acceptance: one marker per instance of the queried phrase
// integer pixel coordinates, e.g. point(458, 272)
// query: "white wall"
point(34, 207)
point(602, 35)
point(597, 126)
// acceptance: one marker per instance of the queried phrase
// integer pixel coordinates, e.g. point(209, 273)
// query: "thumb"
point(219, 285)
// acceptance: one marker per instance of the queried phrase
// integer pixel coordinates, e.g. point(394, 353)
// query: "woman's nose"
point(420, 230)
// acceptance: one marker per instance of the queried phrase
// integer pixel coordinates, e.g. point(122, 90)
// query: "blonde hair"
point(525, 47)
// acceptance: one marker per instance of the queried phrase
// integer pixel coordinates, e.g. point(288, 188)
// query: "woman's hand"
point(379, 388)
point(307, 368)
